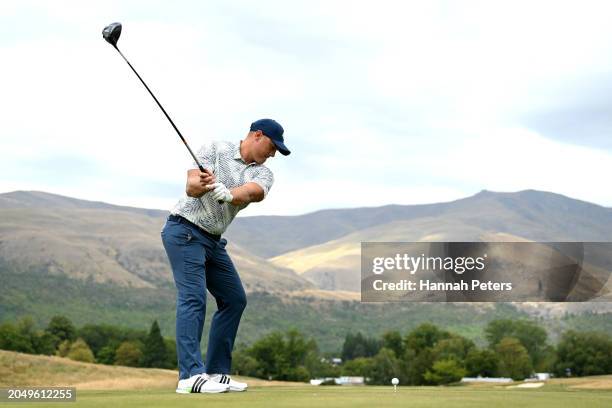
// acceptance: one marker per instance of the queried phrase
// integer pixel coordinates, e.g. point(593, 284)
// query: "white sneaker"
point(200, 383)
point(227, 380)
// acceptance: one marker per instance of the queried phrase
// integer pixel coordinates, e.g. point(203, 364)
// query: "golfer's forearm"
point(197, 182)
point(194, 194)
point(246, 193)
point(194, 188)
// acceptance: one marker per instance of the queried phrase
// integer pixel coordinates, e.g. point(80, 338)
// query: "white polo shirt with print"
point(224, 159)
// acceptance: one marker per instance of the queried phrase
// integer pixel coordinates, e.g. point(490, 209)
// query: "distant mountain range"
point(106, 243)
point(487, 216)
point(534, 215)
point(312, 256)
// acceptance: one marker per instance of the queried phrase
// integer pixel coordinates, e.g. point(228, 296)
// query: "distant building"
point(539, 377)
point(487, 379)
point(542, 376)
point(350, 381)
point(333, 361)
point(339, 380)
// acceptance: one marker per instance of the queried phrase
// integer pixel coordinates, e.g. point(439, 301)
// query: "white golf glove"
point(221, 193)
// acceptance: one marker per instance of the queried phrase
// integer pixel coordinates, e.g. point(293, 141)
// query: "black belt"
point(183, 220)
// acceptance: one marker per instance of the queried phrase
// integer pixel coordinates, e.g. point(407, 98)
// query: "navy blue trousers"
point(200, 262)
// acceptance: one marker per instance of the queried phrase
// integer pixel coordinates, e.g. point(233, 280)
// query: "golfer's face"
point(265, 149)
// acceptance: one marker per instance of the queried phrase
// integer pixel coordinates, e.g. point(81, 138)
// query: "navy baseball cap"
point(274, 131)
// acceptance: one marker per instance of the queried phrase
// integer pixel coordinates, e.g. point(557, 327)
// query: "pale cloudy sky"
point(382, 102)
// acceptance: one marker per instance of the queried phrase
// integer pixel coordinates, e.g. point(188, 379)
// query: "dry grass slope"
point(18, 369)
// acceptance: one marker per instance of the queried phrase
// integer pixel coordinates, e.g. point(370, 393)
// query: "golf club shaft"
point(163, 110)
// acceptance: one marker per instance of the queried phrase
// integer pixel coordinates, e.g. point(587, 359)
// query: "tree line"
point(429, 355)
point(426, 355)
point(105, 344)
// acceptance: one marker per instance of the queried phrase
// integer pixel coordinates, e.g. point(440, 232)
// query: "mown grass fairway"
point(104, 386)
point(553, 396)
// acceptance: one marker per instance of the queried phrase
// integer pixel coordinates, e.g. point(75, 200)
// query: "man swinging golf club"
point(234, 177)
point(225, 178)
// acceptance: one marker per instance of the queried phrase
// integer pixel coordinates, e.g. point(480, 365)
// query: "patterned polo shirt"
point(224, 159)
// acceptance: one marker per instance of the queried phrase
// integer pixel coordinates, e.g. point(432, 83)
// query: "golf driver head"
point(111, 33)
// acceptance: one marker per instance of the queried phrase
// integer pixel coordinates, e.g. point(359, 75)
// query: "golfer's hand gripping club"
point(221, 192)
point(207, 178)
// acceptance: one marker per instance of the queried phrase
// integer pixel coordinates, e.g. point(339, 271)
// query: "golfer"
point(235, 176)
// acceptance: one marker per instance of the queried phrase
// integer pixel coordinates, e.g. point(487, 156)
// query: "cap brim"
point(280, 146)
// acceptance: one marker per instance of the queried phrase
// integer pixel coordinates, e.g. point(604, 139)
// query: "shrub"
point(128, 354)
point(80, 351)
point(445, 372)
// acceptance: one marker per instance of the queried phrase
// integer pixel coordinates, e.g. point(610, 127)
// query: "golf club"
point(111, 34)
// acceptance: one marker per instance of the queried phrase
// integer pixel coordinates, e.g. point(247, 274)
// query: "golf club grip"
point(203, 170)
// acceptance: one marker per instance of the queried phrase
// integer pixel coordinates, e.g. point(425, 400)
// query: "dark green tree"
point(62, 328)
point(588, 353)
point(392, 340)
point(155, 353)
point(384, 367)
point(445, 372)
point(25, 338)
point(419, 355)
point(283, 356)
point(98, 336)
point(11, 338)
point(101, 336)
point(297, 347)
point(243, 364)
point(360, 366)
point(357, 345)
point(547, 360)
point(44, 343)
point(454, 347)
point(482, 363)
point(514, 360)
point(415, 364)
point(528, 332)
point(424, 336)
point(106, 355)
